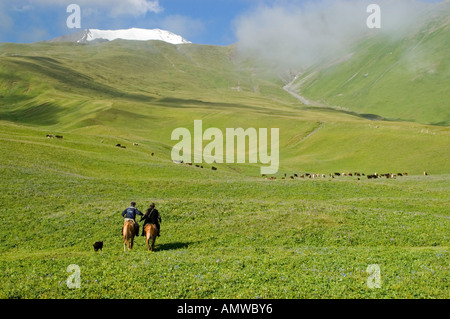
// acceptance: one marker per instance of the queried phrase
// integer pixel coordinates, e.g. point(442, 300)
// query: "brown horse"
point(128, 234)
point(151, 232)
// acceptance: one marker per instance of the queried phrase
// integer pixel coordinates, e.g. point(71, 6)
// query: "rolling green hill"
point(402, 78)
point(142, 91)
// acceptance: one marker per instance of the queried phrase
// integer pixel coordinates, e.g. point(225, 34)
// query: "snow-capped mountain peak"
point(137, 34)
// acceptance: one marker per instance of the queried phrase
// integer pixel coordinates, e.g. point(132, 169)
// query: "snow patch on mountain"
point(135, 34)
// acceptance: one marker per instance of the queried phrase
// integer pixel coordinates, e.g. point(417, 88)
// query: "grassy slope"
point(226, 233)
point(403, 78)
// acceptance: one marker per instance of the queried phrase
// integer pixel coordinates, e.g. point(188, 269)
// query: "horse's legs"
point(153, 243)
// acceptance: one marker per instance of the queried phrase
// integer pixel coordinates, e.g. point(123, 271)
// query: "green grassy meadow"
point(224, 234)
point(228, 233)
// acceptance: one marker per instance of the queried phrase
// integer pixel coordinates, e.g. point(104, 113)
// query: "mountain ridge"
point(135, 34)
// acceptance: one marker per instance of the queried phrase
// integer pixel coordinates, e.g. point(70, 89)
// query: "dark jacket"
point(152, 217)
point(131, 212)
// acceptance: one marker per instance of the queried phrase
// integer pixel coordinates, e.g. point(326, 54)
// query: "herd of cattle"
point(53, 136)
point(295, 176)
point(334, 175)
point(190, 164)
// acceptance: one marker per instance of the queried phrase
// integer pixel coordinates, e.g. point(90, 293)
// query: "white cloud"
point(134, 7)
point(113, 8)
point(296, 34)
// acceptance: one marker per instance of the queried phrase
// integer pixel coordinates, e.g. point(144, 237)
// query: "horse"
point(128, 234)
point(150, 233)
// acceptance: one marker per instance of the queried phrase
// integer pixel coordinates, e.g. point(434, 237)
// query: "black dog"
point(98, 245)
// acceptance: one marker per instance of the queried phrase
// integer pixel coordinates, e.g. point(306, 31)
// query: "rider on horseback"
point(151, 216)
point(130, 214)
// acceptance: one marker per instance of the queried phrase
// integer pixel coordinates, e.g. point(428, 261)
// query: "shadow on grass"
point(173, 246)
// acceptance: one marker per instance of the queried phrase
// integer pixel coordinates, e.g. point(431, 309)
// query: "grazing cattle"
point(50, 136)
point(177, 162)
point(197, 165)
point(190, 164)
point(292, 177)
point(344, 174)
point(425, 173)
point(405, 174)
point(357, 174)
point(59, 136)
point(118, 145)
point(399, 174)
point(135, 144)
point(98, 245)
point(153, 154)
point(337, 174)
point(123, 146)
point(302, 176)
point(214, 168)
point(295, 175)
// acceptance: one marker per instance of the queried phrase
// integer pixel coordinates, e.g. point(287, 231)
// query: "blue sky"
point(200, 21)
